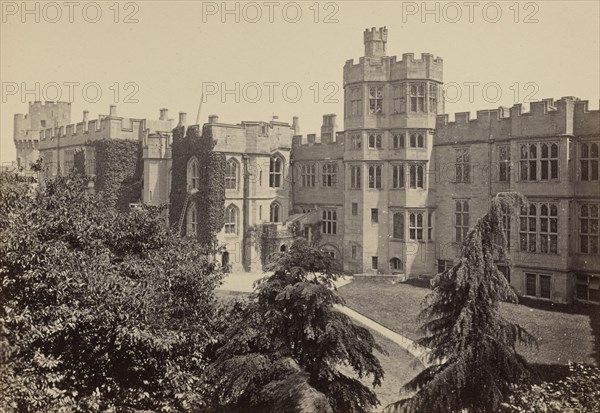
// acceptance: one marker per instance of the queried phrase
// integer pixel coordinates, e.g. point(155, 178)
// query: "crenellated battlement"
point(313, 140)
point(407, 59)
point(464, 118)
point(375, 34)
point(547, 117)
point(542, 108)
point(375, 41)
point(106, 126)
point(375, 65)
point(389, 68)
point(95, 126)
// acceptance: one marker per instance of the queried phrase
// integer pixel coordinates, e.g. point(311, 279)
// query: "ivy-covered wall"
point(119, 171)
point(210, 198)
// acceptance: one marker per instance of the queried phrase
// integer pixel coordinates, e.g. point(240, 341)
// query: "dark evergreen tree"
point(473, 354)
point(287, 346)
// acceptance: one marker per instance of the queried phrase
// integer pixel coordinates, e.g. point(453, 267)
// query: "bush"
point(99, 310)
point(578, 392)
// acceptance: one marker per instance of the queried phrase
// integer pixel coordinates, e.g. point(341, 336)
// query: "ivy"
point(119, 172)
point(261, 242)
point(210, 198)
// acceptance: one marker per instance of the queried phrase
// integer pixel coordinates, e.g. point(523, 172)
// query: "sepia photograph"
point(300, 206)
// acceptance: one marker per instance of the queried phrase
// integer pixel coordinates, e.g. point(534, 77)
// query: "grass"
point(563, 332)
point(398, 365)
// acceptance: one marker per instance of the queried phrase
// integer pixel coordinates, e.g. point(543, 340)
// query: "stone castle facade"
point(396, 191)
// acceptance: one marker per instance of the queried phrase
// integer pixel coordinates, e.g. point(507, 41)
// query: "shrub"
point(579, 392)
point(99, 310)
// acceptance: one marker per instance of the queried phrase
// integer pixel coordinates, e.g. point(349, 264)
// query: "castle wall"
point(27, 127)
point(56, 144)
point(547, 123)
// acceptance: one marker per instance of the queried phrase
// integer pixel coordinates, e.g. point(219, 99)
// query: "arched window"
point(420, 176)
point(420, 141)
point(433, 93)
point(375, 176)
point(193, 173)
point(191, 221)
point(549, 161)
point(231, 174)
point(375, 140)
point(413, 140)
point(329, 222)
point(398, 176)
point(231, 219)
point(416, 226)
point(396, 264)
point(416, 176)
point(529, 157)
point(275, 172)
point(275, 212)
point(588, 162)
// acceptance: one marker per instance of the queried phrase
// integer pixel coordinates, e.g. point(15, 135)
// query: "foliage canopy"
point(99, 310)
point(473, 347)
point(285, 347)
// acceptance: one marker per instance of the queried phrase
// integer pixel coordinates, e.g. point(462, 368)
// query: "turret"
point(375, 41)
point(20, 126)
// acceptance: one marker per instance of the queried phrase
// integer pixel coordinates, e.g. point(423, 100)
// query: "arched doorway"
point(225, 260)
point(283, 248)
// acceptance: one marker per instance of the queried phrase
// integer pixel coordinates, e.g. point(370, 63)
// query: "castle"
point(396, 191)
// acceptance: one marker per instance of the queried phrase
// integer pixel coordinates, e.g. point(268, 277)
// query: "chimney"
point(329, 128)
point(164, 114)
point(296, 125)
point(86, 116)
point(213, 119)
point(113, 111)
point(182, 120)
point(275, 117)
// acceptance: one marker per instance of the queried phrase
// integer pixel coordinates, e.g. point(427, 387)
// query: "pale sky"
point(172, 50)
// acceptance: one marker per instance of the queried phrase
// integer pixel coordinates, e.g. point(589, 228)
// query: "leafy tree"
point(578, 392)
point(99, 310)
point(473, 353)
point(285, 347)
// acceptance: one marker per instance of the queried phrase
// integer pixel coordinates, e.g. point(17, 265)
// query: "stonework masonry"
point(538, 154)
point(395, 190)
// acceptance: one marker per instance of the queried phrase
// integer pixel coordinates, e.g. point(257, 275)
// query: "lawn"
point(563, 332)
point(399, 366)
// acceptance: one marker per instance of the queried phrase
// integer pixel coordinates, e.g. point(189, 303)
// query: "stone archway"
point(225, 259)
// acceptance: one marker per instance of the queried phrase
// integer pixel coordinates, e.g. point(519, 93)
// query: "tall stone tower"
point(389, 117)
point(26, 129)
